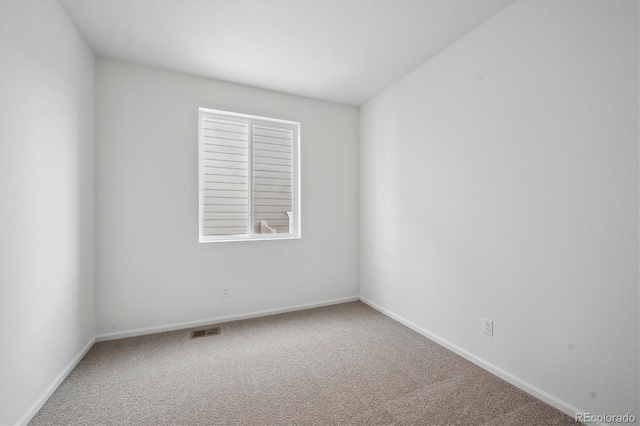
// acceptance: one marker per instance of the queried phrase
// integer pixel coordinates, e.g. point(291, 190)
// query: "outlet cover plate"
point(487, 327)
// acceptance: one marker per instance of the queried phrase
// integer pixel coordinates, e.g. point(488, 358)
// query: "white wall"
point(47, 307)
point(151, 270)
point(500, 180)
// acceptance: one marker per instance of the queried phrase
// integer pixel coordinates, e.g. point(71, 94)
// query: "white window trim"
point(296, 201)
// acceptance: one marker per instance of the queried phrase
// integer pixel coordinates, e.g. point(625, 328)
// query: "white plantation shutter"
point(225, 175)
point(249, 178)
point(272, 177)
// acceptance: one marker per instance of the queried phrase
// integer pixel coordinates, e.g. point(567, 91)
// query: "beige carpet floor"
point(338, 365)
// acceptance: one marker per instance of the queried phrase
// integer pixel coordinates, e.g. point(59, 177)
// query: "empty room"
point(314, 212)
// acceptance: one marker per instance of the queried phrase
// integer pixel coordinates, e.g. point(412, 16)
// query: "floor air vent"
point(206, 332)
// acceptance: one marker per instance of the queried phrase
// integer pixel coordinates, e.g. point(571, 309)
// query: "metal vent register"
point(206, 332)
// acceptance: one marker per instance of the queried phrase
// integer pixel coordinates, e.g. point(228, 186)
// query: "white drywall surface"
point(500, 180)
point(151, 270)
point(47, 200)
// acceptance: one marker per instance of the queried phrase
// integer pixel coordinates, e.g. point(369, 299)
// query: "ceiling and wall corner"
point(338, 51)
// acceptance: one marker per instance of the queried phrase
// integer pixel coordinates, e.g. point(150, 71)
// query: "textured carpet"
point(338, 365)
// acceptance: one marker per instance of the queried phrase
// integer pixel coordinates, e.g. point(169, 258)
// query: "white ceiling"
point(340, 51)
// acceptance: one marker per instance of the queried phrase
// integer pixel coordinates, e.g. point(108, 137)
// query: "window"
point(249, 180)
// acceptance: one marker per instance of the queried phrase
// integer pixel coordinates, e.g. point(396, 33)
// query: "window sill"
point(233, 240)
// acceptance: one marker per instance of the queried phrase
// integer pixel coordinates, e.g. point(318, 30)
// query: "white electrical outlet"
point(488, 327)
point(226, 292)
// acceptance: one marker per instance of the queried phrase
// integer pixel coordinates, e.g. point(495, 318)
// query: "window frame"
point(251, 120)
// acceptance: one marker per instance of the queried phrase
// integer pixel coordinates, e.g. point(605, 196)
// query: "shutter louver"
point(225, 185)
point(272, 177)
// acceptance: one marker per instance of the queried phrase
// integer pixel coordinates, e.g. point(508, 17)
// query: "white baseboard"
point(532, 390)
point(217, 320)
point(35, 407)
